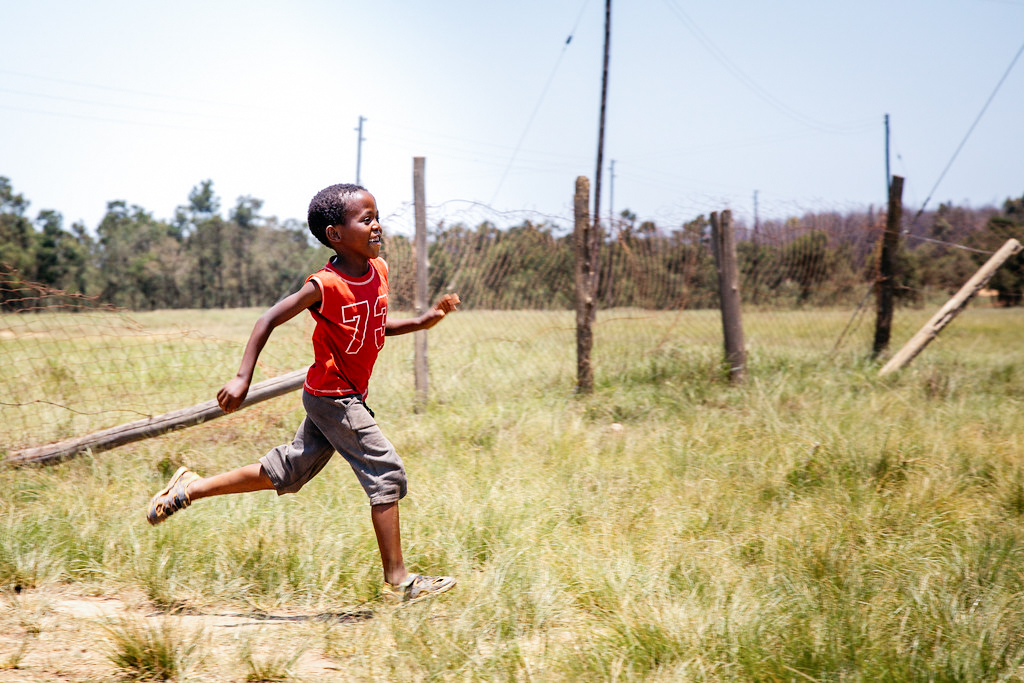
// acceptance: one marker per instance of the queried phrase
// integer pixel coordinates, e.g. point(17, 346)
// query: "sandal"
point(417, 587)
point(174, 496)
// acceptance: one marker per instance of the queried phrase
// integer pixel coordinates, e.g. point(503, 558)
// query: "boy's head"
point(328, 207)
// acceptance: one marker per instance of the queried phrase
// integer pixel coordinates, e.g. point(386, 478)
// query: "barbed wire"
point(944, 243)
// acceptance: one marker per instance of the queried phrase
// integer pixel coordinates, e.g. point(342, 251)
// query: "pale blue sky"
point(708, 102)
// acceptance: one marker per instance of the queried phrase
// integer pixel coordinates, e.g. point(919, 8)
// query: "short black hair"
point(328, 207)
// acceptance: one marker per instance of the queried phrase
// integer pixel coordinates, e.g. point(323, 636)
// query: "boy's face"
point(360, 236)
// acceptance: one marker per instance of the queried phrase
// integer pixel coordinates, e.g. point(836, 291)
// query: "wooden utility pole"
point(420, 295)
point(588, 239)
point(724, 245)
point(888, 175)
point(611, 196)
point(886, 285)
point(604, 101)
point(585, 242)
point(757, 221)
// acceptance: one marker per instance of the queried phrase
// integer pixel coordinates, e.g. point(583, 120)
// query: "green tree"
point(246, 220)
point(61, 257)
point(137, 257)
point(205, 236)
point(1008, 281)
point(17, 237)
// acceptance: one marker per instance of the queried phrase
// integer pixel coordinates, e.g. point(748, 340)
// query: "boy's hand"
point(448, 303)
point(445, 305)
point(231, 395)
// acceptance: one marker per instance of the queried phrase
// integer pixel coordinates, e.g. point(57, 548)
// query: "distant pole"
point(420, 293)
point(359, 148)
point(604, 100)
point(888, 173)
point(756, 223)
point(611, 196)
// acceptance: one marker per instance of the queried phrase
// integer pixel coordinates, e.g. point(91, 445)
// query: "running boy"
point(348, 298)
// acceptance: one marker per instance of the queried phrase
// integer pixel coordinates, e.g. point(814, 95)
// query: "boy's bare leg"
point(389, 540)
point(186, 486)
point(242, 480)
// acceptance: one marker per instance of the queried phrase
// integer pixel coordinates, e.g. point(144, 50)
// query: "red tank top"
point(349, 330)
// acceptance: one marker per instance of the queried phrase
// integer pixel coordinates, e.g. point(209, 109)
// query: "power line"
point(75, 100)
point(85, 117)
point(970, 130)
point(82, 84)
point(543, 95)
point(719, 55)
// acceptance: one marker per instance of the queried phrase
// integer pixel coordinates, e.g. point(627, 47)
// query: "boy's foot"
point(418, 587)
point(174, 497)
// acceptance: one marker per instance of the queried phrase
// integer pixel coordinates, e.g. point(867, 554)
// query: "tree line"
point(201, 259)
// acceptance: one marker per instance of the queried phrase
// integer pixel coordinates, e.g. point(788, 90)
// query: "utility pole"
point(359, 148)
point(888, 173)
point(756, 222)
point(600, 134)
point(611, 196)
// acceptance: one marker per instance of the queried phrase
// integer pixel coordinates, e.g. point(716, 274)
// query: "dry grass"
point(817, 523)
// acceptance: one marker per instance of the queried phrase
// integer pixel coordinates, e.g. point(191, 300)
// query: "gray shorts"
point(343, 425)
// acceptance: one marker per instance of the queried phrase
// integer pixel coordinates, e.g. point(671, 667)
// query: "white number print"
point(380, 313)
point(357, 315)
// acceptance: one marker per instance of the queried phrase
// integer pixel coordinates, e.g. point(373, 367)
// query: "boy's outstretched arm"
point(445, 305)
point(232, 394)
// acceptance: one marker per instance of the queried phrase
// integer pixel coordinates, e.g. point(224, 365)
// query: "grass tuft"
point(152, 651)
point(269, 667)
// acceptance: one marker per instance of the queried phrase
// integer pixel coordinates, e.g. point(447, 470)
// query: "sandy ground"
point(50, 635)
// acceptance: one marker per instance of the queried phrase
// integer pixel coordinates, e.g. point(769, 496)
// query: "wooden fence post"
point(149, 427)
point(724, 247)
point(951, 309)
point(420, 302)
point(586, 245)
point(886, 286)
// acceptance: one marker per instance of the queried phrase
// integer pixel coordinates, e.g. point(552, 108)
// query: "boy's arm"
point(443, 307)
point(232, 394)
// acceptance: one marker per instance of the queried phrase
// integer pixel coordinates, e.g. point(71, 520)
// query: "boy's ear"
point(332, 233)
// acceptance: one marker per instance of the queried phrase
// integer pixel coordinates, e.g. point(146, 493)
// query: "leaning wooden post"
point(149, 427)
point(952, 308)
point(586, 244)
point(420, 302)
point(886, 286)
point(724, 246)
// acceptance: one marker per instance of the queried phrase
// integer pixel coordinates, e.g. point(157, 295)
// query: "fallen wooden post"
point(952, 307)
point(152, 426)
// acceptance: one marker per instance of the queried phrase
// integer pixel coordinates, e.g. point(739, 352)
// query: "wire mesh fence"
point(72, 365)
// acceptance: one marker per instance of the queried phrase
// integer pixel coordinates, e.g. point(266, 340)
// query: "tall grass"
point(816, 523)
point(152, 652)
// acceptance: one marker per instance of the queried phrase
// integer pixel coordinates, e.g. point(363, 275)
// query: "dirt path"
point(49, 635)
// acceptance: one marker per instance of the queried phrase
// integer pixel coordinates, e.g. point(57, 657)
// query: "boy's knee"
point(391, 490)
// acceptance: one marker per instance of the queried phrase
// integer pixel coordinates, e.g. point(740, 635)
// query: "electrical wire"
point(719, 55)
point(969, 131)
point(540, 101)
point(120, 122)
point(74, 100)
point(95, 86)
